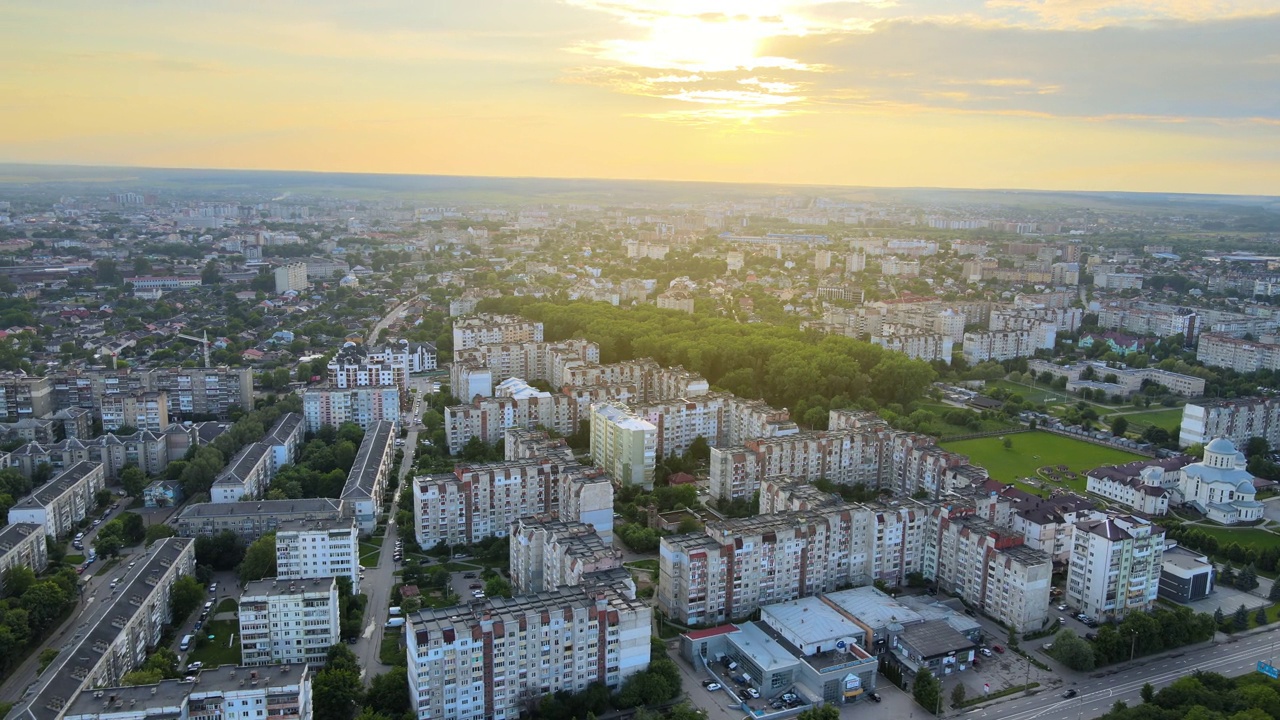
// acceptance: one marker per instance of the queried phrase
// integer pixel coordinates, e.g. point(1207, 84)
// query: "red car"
point(997, 648)
point(79, 569)
point(474, 586)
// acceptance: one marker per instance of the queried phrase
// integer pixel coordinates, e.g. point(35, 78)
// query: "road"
point(382, 324)
point(1097, 695)
point(379, 579)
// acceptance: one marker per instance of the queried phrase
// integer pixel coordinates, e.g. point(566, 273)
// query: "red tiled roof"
point(711, 632)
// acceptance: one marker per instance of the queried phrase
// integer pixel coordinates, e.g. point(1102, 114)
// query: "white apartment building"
point(364, 493)
point(1225, 351)
point(477, 501)
point(246, 477)
point(141, 411)
point(288, 621)
point(469, 332)
point(60, 504)
point(414, 357)
point(285, 440)
point(1117, 281)
point(22, 545)
point(291, 278)
point(676, 300)
point(531, 360)
point(624, 445)
point(308, 549)
point(547, 552)
point(363, 406)
point(1115, 566)
point(719, 418)
point(1236, 420)
point(490, 659)
point(357, 366)
point(1008, 344)
point(489, 418)
point(915, 343)
point(117, 636)
point(281, 693)
point(990, 567)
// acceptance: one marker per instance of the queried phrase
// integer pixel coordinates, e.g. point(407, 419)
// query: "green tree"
point(927, 691)
point(1148, 692)
point(389, 693)
point(497, 587)
point(1119, 425)
point(259, 559)
point(1260, 618)
point(133, 480)
point(1247, 579)
point(957, 695)
point(1073, 651)
point(210, 274)
point(18, 579)
point(1241, 618)
point(1274, 593)
point(1007, 443)
point(159, 531)
point(102, 498)
point(821, 712)
point(1218, 617)
point(335, 694)
point(185, 597)
point(141, 677)
point(44, 602)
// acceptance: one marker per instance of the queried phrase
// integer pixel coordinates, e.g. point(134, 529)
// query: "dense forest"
point(1206, 696)
point(809, 373)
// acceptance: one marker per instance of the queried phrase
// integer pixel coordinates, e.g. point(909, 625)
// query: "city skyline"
point(1134, 95)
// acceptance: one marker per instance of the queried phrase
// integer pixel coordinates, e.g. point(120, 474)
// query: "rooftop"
point(326, 506)
point(809, 620)
point(934, 638)
point(873, 607)
point(58, 486)
point(13, 534)
point(368, 462)
point(243, 464)
point(172, 693)
point(765, 651)
point(274, 587)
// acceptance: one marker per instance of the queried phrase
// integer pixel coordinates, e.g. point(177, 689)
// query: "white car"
point(713, 687)
point(754, 693)
point(986, 652)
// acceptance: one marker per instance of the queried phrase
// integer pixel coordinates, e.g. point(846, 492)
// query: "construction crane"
point(204, 341)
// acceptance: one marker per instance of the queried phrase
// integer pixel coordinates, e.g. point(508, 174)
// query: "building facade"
point(288, 621)
point(1115, 566)
point(623, 444)
point(309, 549)
point(363, 406)
point(63, 502)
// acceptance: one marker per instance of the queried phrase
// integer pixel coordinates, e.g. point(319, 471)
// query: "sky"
point(1136, 95)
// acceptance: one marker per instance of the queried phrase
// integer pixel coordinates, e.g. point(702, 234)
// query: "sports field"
point(1034, 450)
point(1169, 419)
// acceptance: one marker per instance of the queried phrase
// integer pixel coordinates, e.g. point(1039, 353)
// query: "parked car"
point(711, 686)
point(474, 586)
point(754, 693)
point(997, 648)
point(469, 576)
point(986, 652)
point(1062, 608)
point(194, 666)
point(1091, 636)
point(1062, 621)
point(874, 696)
point(80, 569)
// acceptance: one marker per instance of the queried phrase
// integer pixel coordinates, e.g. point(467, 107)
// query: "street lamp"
point(1133, 645)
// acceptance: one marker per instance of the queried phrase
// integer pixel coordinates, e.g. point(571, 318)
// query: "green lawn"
point(1167, 418)
point(369, 553)
point(389, 652)
point(1037, 449)
point(216, 652)
point(227, 605)
point(1246, 536)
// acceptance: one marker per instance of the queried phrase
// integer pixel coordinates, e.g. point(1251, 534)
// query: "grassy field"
point(1167, 418)
point(1247, 537)
point(389, 652)
point(1037, 449)
point(227, 605)
point(216, 652)
point(369, 553)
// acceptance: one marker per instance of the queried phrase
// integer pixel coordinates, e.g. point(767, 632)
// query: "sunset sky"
point(1160, 95)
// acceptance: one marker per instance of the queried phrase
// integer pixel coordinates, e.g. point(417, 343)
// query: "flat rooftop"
point(274, 587)
point(364, 471)
point(172, 693)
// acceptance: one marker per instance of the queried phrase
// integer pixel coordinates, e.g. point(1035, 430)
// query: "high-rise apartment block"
point(189, 391)
point(309, 549)
point(1225, 351)
point(291, 278)
point(288, 621)
point(479, 330)
point(490, 660)
point(365, 491)
point(25, 396)
point(1236, 420)
point(141, 411)
point(547, 553)
point(60, 504)
point(117, 637)
point(1115, 566)
point(488, 418)
point(246, 477)
point(357, 366)
point(22, 545)
point(363, 406)
point(623, 444)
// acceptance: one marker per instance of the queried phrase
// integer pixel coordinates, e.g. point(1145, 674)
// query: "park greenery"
point(125, 530)
point(1250, 554)
point(1206, 696)
point(807, 372)
point(322, 466)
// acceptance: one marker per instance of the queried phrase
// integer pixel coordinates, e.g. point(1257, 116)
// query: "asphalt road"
point(1097, 695)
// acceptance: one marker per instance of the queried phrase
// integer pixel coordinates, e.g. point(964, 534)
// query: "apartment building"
point(141, 411)
point(63, 502)
point(281, 693)
point(285, 440)
point(719, 418)
point(1115, 566)
point(1021, 317)
point(735, 566)
point(25, 397)
point(469, 332)
point(414, 357)
point(246, 477)
point(915, 343)
point(364, 493)
point(989, 567)
point(1118, 380)
point(1045, 524)
point(624, 445)
point(168, 282)
point(189, 391)
point(477, 501)
point(288, 621)
point(146, 449)
point(117, 633)
point(1225, 351)
point(309, 549)
point(532, 360)
point(251, 520)
point(491, 659)
point(1150, 320)
point(1117, 281)
point(488, 418)
point(1008, 344)
point(22, 545)
point(363, 406)
point(291, 278)
point(355, 366)
point(547, 552)
point(1236, 420)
